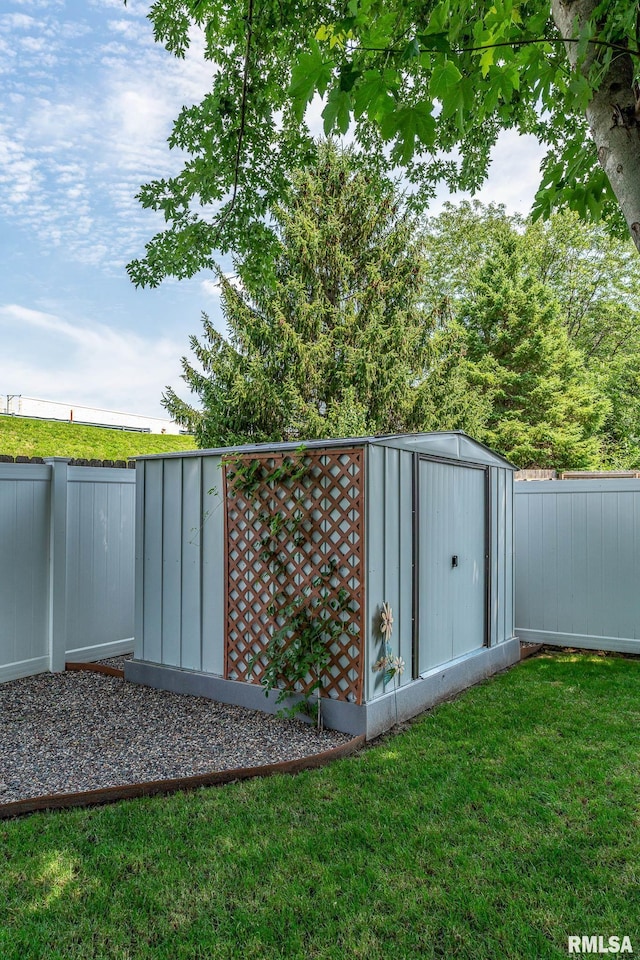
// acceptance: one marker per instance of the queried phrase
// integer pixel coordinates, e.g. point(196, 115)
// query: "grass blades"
point(494, 827)
point(47, 438)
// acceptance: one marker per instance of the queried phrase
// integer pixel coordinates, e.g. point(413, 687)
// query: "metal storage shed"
point(423, 522)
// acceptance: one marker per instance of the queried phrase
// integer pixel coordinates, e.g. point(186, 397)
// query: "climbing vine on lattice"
point(294, 573)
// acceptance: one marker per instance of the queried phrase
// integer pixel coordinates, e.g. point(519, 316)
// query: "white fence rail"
point(577, 563)
point(67, 559)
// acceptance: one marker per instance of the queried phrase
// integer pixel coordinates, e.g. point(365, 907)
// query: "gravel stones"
point(76, 731)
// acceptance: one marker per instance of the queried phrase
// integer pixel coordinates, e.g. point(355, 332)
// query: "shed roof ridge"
point(330, 443)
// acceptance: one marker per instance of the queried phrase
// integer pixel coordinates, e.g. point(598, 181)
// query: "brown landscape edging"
point(95, 668)
point(86, 798)
point(529, 649)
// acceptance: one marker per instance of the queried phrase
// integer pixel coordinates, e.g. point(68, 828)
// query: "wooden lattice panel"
point(330, 498)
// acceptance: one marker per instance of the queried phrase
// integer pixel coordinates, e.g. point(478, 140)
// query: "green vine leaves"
point(307, 618)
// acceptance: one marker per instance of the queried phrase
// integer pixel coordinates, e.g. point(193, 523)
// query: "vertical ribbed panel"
point(172, 530)
point(436, 544)
point(212, 551)
point(152, 574)
point(508, 559)
point(494, 559)
point(451, 599)
point(501, 569)
point(191, 653)
point(469, 606)
point(389, 556)
point(182, 571)
point(578, 561)
point(500, 564)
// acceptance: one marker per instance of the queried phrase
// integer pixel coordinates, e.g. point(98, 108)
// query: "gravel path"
point(117, 662)
point(69, 732)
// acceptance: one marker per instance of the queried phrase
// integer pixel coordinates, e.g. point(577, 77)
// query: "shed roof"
point(452, 445)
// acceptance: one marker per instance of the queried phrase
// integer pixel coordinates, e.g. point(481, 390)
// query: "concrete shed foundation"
point(368, 719)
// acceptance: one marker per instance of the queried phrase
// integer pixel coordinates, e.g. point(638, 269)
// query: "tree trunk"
point(612, 114)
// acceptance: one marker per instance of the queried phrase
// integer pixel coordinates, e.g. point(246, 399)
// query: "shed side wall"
point(180, 568)
point(389, 538)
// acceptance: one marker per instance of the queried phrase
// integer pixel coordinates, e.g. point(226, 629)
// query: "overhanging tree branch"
point(618, 47)
point(243, 121)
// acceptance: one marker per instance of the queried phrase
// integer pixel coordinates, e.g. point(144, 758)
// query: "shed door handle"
point(454, 560)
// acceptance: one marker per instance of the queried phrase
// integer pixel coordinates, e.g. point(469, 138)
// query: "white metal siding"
point(180, 568)
point(389, 549)
point(451, 598)
point(389, 555)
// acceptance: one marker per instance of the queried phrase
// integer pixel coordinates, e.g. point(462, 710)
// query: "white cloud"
point(94, 363)
point(111, 133)
point(515, 172)
point(18, 173)
point(16, 21)
point(131, 30)
point(39, 4)
point(514, 176)
point(135, 8)
point(212, 287)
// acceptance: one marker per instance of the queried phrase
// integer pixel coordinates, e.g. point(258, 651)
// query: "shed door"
point(451, 575)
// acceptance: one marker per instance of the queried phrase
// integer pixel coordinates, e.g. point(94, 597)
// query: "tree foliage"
point(341, 342)
point(546, 410)
point(430, 83)
point(594, 280)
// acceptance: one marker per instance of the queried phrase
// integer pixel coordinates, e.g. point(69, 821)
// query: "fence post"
point(58, 564)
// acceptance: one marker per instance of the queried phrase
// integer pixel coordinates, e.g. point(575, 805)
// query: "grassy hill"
point(45, 438)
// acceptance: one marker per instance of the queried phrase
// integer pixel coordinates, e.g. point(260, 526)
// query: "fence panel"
point(100, 562)
point(577, 546)
point(66, 565)
point(24, 569)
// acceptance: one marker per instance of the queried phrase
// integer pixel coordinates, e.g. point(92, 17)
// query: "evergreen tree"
point(546, 409)
point(593, 277)
point(341, 342)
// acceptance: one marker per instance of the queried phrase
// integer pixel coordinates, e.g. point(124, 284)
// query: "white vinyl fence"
point(577, 563)
point(67, 560)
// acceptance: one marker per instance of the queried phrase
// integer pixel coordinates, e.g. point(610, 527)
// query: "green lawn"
point(492, 828)
point(46, 438)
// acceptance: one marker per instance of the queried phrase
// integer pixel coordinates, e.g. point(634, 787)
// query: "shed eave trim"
point(411, 440)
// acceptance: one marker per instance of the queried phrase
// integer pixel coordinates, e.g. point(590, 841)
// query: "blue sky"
point(87, 104)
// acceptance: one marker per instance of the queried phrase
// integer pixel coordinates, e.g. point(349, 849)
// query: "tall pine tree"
point(340, 343)
point(595, 280)
point(546, 408)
